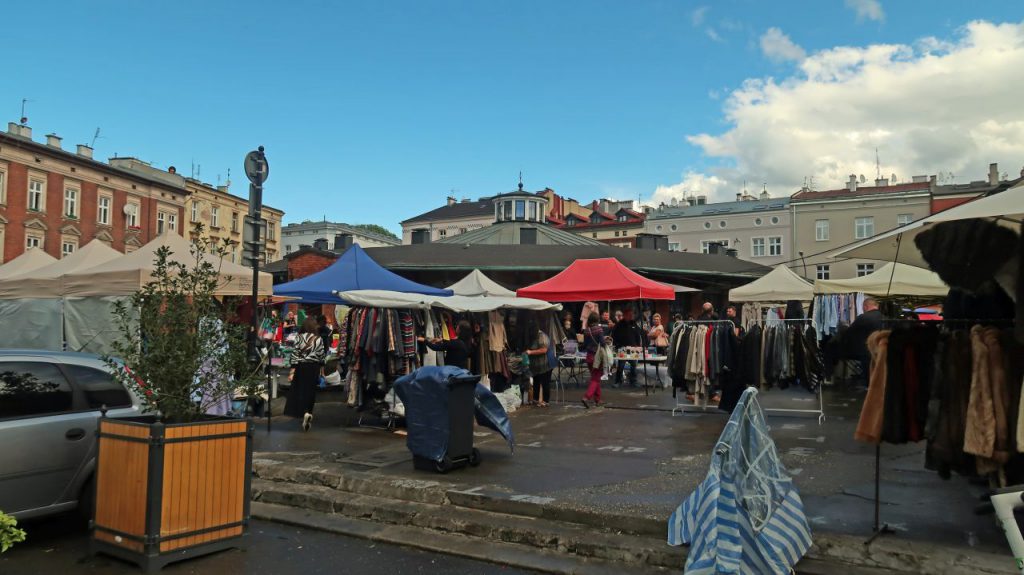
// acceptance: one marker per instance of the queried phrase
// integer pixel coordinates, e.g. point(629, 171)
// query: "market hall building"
point(519, 248)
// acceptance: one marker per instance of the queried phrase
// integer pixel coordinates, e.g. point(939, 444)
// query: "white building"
point(336, 236)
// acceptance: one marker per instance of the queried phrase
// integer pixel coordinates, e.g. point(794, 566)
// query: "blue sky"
point(372, 112)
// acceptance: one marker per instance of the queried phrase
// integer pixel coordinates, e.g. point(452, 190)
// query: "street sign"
point(257, 169)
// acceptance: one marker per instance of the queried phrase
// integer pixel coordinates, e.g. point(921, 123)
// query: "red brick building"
point(59, 200)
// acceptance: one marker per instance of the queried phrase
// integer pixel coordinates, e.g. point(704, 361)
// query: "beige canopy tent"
point(127, 274)
point(890, 279)
point(32, 259)
point(478, 284)
point(47, 281)
point(897, 245)
point(780, 284)
point(456, 303)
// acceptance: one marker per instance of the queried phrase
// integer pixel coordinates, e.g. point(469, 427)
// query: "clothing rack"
point(819, 413)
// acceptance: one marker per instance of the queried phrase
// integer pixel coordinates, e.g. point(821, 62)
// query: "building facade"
point(337, 236)
point(824, 221)
point(758, 229)
point(58, 200)
point(454, 218)
point(617, 225)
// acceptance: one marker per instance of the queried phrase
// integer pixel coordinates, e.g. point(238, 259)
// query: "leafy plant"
point(9, 532)
point(376, 229)
point(176, 347)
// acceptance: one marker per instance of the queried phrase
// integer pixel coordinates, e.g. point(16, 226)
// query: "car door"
point(44, 435)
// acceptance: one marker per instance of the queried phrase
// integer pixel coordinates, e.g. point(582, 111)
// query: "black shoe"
point(585, 404)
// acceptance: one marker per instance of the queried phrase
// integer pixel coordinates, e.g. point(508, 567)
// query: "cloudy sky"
point(373, 112)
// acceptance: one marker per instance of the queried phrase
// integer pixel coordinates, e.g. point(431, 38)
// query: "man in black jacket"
point(627, 333)
point(857, 336)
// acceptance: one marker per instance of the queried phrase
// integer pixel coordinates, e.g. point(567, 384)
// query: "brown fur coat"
point(869, 428)
point(987, 430)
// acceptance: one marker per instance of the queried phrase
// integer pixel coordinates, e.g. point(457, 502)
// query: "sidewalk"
point(634, 459)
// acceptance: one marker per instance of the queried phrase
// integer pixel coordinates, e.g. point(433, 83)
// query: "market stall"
point(478, 284)
point(32, 259)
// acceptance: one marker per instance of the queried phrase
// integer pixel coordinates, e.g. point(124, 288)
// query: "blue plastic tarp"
point(747, 516)
point(425, 396)
point(354, 270)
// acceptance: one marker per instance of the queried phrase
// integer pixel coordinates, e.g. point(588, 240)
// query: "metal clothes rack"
point(695, 408)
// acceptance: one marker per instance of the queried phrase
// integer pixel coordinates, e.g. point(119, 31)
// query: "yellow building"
point(223, 216)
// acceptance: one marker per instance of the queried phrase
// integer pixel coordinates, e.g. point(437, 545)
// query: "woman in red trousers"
point(593, 336)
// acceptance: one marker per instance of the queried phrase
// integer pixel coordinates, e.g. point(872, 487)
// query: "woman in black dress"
point(456, 351)
point(307, 361)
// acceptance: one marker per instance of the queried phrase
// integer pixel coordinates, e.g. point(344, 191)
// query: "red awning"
point(604, 279)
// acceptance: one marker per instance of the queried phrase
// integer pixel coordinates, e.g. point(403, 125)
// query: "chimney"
point(320, 244)
point(739, 196)
point(852, 184)
point(84, 151)
point(881, 182)
point(342, 242)
point(452, 201)
point(465, 200)
point(702, 200)
point(53, 140)
point(919, 179)
point(19, 130)
point(993, 174)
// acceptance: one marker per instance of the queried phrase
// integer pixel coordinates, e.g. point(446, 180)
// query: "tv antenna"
point(24, 118)
point(95, 137)
point(878, 166)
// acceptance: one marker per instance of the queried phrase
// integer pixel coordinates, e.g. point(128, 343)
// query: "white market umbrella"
point(891, 279)
point(780, 284)
point(32, 259)
point(478, 284)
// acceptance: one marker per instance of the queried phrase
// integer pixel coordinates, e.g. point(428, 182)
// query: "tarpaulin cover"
point(424, 393)
point(746, 517)
point(603, 279)
point(354, 270)
point(31, 324)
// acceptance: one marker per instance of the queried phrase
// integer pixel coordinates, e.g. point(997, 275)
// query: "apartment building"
point(334, 235)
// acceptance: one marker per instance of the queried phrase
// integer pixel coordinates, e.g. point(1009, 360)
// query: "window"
point(131, 217)
point(673, 246)
point(172, 222)
point(721, 224)
point(623, 218)
point(757, 246)
point(520, 210)
point(865, 269)
point(904, 219)
point(442, 233)
point(864, 227)
point(533, 211)
point(463, 230)
point(616, 234)
point(103, 210)
point(214, 217)
point(594, 235)
point(657, 228)
point(707, 225)
point(508, 209)
point(673, 227)
point(234, 221)
point(36, 197)
point(3, 187)
point(32, 388)
point(271, 231)
point(99, 387)
point(625, 233)
point(287, 249)
point(775, 220)
point(70, 203)
point(775, 246)
point(823, 272)
point(195, 211)
point(33, 242)
point(67, 248)
point(705, 245)
point(570, 222)
point(161, 221)
point(758, 221)
point(821, 230)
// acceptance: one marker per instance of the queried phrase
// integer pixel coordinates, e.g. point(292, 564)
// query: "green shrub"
point(9, 532)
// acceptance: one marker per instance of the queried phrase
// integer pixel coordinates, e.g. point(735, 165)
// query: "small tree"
point(176, 348)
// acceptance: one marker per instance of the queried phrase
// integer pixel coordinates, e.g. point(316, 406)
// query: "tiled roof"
point(723, 208)
point(478, 208)
point(508, 233)
point(810, 196)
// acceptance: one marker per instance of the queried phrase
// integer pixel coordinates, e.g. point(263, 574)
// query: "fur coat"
point(869, 428)
point(987, 429)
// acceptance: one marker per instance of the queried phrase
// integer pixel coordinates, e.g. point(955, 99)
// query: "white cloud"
point(692, 184)
point(777, 47)
point(867, 9)
point(713, 34)
point(698, 15)
point(929, 107)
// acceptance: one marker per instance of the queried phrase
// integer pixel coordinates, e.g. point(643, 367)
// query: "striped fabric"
point(746, 516)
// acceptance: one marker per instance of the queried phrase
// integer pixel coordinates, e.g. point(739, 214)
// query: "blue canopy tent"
point(354, 270)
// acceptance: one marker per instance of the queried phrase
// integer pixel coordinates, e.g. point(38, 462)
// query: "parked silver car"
point(49, 404)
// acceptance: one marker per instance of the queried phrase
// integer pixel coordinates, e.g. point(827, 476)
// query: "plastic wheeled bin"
point(440, 404)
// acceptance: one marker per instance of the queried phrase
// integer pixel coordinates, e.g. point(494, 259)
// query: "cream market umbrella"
point(33, 259)
point(780, 284)
point(892, 279)
point(478, 284)
point(47, 281)
point(898, 245)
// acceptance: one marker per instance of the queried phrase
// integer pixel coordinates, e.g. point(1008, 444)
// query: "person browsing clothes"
point(456, 351)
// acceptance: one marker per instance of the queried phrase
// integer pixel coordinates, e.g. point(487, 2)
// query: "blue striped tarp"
point(746, 516)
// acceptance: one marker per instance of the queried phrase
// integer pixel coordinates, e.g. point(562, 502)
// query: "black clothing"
point(327, 335)
point(456, 352)
point(632, 372)
point(302, 395)
point(707, 316)
point(856, 337)
point(542, 382)
point(627, 333)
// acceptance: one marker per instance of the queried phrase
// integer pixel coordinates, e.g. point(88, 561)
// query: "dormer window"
point(570, 222)
point(623, 217)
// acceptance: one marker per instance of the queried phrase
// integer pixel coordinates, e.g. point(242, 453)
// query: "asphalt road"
point(60, 546)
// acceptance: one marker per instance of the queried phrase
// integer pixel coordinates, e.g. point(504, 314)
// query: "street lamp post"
point(256, 169)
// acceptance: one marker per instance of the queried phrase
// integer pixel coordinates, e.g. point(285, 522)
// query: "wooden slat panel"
point(121, 478)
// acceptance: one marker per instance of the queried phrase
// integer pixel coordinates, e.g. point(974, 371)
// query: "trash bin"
point(439, 412)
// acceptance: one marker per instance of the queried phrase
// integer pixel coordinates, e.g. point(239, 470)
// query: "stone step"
point(563, 539)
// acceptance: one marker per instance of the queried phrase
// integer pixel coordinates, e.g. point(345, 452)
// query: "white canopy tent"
point(47, 281)
point(898, 245)
point(32, 259)
point(476, 284)
point(780, 284)
point(127, 274)
point(457, 303)
point(890, 279)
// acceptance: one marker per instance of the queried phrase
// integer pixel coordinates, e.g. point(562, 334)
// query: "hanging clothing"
point(987, 433)
point(869, 427)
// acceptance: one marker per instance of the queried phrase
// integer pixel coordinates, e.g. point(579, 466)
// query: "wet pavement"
point(60, 545)
point(635, 458)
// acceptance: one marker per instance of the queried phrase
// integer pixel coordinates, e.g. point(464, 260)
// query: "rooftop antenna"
point(24, 118)
point(95, 137)
point(193, 173)
point(227, 184)
point(520, 180)
point(878, 166)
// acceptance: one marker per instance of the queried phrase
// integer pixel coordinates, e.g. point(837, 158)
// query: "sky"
point(374, 112)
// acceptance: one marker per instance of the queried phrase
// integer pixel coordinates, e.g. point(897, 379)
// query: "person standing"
point(307, 360)
point(730, 314)
point(540, 365)
point(707, 312)
point(325, 332)
point(593, 337)
point(627, 333)
point(456, 351)
point(657, 334)
point(856, 337)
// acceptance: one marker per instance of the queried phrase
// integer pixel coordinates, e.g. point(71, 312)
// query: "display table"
point(646, 360)
point(575, 365)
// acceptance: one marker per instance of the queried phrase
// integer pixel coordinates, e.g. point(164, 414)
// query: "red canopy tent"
point(604, 279)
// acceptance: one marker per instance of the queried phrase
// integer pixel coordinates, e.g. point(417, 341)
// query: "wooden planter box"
point(170, 492)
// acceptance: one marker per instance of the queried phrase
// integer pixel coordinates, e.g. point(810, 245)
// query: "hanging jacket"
point(869, 427)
